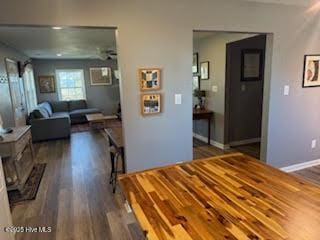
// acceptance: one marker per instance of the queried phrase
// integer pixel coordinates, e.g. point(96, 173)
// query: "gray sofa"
point(52, 120)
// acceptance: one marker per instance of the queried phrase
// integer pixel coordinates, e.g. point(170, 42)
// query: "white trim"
point(300, 166)
point(213, 143)
point(244, 142)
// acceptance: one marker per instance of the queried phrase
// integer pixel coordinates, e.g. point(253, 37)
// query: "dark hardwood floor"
point(203, 150)
point(312, 174)
point(75, 198)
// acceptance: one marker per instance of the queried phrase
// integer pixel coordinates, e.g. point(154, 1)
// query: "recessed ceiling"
point(66, 43)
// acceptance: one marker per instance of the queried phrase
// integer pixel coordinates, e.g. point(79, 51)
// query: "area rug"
point(30, 189)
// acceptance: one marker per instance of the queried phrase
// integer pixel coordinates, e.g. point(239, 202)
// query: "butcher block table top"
point(227, 197)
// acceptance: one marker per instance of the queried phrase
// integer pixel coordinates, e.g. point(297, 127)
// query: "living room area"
point(63, 134)
point(59, 90)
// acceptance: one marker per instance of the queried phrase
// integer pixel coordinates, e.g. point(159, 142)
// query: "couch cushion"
point(35, 114)
point(47, 107)
point(77, 104)
point(60, 115)
point(60, 106)
point(82, 112)
point(42, 113)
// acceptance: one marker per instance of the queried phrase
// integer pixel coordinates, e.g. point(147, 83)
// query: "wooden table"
point(17, 154)
point(204, 114)
point(99, 119)
point(115, 138)
point(228, 197)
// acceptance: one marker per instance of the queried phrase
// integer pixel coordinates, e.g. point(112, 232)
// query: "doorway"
point(232, 79)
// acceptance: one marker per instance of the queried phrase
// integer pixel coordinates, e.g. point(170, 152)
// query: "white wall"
point(213, 49)
point(159, 33)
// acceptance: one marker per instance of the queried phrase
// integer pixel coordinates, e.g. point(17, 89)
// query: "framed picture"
point(311, 74)
point(100, 76)
point(204, 70)
point(46, 84)
point(150, 78)
point(251, 65)
point(195, 83)
point(150, 104)
point(195, 63)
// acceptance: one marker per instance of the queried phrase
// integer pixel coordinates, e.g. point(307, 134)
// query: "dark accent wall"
point(105, 98)
point(243, 99)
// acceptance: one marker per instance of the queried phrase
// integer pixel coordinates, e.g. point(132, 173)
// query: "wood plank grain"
point(232, 196)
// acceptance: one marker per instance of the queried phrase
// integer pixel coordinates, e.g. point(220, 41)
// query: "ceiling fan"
point(106, 54)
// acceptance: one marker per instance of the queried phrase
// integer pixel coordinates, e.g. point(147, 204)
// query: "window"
point(71, 84)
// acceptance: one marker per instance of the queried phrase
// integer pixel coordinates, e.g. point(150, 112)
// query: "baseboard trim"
point(300, 166)
point(244, 142)
point(213, 143)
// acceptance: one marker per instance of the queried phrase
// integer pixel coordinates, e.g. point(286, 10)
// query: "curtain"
point(30, 88)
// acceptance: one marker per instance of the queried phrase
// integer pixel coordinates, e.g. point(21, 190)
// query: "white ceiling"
point(72, 43)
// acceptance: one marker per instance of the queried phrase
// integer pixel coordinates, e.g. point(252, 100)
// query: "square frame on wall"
point(251, 65)
point(151, 104)
point(311, 71)
point(195, 83)
point(46, 84)
point(100, 76)
point(149, 78)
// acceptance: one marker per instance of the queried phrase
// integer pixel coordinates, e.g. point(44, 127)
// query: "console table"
point(204, 114)
point(17, 155)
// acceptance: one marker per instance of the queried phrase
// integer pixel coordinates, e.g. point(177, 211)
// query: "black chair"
point(114, 157)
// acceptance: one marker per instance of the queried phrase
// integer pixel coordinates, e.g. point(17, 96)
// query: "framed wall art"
point(251, 65)
point(46, 84)
point(204, 70)
point(150, 104)
point(149, 78)
point(100, 76)
point(195, 63)
point(195, 83)
point(311, 74)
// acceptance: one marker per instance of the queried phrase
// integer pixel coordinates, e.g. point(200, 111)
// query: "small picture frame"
point(251, 65)
point(195, 63)
point(46, 84)
point(100, 76)
point(204, 70)
point(149, 78)
point(311, 71)
point(195, 83)
point(150, 104)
